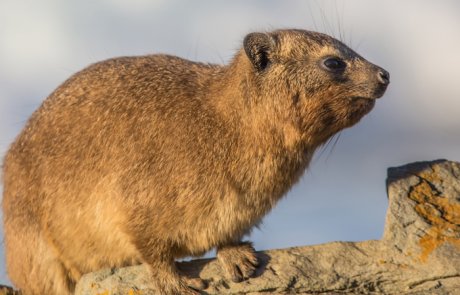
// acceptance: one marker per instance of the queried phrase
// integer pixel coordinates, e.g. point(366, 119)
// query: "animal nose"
point(383, 77)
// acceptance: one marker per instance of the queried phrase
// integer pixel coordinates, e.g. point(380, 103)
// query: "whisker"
point(338, 22)
point(312, 16)
point(326, 25)
point(324, 147)
point(337, 137)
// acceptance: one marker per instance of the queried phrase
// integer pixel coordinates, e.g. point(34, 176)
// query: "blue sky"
point(342, 195)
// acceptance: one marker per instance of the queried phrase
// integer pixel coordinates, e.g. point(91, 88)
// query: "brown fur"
point(152, 158)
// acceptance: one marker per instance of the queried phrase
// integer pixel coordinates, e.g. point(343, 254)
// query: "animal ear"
point(257, 47)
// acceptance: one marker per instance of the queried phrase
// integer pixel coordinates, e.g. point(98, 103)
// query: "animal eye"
point(334, 64)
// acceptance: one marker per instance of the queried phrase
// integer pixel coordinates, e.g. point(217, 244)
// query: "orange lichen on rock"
point(437, 210)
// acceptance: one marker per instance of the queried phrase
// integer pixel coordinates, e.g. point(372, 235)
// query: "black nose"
point(383, 77)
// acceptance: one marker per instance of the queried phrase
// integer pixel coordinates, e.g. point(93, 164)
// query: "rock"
point(5, 290)
point(418, 254)
point(423, 217)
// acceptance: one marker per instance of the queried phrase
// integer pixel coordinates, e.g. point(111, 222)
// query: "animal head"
point(313, 80)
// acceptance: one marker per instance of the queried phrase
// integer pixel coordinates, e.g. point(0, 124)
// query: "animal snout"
point(380, 81)
point(383, 77)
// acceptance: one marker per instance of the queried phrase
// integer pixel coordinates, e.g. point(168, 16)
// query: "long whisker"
point(324, 147)
point(337, 137)
point(312, 16)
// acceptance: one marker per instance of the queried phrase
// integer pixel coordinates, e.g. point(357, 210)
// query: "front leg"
point(238, 260)
point(159, 258)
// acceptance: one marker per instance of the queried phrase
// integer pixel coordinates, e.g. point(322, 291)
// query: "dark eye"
point(334, 64)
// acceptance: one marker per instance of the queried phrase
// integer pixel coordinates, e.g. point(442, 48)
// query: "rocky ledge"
point(418, 254)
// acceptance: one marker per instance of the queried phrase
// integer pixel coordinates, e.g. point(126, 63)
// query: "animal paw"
point(195, 283)
point(238, 261)
point(174, 284)
point(181, 289)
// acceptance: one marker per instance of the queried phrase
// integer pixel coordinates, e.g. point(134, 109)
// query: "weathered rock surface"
point(418, 254)
point(5, 290)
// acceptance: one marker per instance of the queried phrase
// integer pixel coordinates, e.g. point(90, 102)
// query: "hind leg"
point(32, 263)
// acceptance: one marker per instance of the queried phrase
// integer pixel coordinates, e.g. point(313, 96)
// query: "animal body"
point(151, 158)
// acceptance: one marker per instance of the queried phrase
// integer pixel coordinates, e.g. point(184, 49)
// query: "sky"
point(342, 196)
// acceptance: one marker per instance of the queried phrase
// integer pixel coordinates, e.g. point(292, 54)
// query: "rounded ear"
point(257, 47)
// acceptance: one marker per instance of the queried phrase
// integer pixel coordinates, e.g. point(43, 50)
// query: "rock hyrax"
point(151, 158)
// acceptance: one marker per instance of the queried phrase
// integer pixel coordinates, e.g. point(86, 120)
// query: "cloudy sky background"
point(342, 196)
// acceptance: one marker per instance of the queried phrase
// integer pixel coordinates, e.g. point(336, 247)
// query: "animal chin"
point(360, 106)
